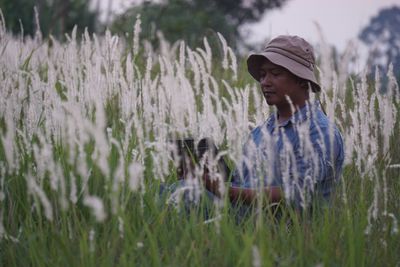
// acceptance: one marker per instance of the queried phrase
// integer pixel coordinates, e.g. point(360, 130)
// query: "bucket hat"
point(291, 52)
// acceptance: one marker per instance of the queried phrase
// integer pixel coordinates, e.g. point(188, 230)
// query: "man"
point(297, 153)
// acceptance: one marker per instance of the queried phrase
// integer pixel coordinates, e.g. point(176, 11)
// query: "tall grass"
point(84, 144)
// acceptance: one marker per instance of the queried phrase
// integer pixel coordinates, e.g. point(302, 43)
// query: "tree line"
point(189, 20)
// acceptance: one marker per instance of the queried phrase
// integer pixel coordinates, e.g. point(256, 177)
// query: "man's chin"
point(269, 102)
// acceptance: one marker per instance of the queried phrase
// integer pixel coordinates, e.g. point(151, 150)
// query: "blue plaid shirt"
point(303, 155)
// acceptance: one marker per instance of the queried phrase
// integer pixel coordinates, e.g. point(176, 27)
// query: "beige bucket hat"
point(291, 52)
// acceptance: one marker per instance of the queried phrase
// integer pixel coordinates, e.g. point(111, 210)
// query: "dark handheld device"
point(191, 153)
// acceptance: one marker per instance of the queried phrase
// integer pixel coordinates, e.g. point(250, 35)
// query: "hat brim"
point(254, 62)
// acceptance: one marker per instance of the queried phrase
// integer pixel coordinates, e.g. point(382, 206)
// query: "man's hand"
point(272, 194)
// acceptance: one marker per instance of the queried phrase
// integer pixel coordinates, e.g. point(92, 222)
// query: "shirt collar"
point(298, 117)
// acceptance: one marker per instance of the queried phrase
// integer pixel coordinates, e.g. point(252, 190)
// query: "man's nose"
point(265, 79)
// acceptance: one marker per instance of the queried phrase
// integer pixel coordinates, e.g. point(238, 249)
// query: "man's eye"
point(275, 73)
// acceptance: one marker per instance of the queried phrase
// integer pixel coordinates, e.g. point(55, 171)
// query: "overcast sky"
point(340, 20)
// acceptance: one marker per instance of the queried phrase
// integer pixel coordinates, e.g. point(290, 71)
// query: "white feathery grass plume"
point(208, 55)
point(395, 224)
point(393, 87)
point(121, 227)
point(344, 64)
point(350, 137)
point(237, 120)
point(267, 160)
point(135, 172)
point(325, 68)
point(2, 180)
point(166, 50)
point(331, 109)
point(9, 142)
point(3, 29)
point(256, 257)
point(309, 150)
point(92, 243)
point(44, 160)
point(70, 231)
point(136, 33)
point(169, 67)
point(205, 58)
point(374, 207)
point(182, 57)
point(361, 135)
point(287, 161)
point(161, 157)
point(145, 94)
point(233, 65)
point(38, 32)
point(118, 177)
point(385, 193)
point(208, 117)
point(36, 191)
point(225, 51)
point(195, 69)
point(331, 102)
point(73, 197)
point(3, 232)
point(189, 102)
point(182, 105)
point(190, 191)
point(129, 74)
point(214, 171)
point(148, 48)
point(176, 197)
point(100, 138)
point(215, 219)
point(161, 113)
point(6, 95)
point(62, 189)
point(208, 107)
point(97, 207)
point(388, 112)
point(84, 184)
point(261, 110)
point(375, 203)
point(394, 166)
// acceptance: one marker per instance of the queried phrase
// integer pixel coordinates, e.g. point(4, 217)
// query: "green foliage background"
point(56, 17)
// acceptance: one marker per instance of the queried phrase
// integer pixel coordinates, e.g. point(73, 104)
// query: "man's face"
point(277, 83)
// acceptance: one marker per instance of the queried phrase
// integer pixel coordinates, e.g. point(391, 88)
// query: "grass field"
point(84, 130)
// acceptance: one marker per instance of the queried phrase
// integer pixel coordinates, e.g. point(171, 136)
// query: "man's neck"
point(286, 113)
point(284, 116)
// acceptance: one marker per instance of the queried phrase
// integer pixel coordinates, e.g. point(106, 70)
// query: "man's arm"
point(272, 194)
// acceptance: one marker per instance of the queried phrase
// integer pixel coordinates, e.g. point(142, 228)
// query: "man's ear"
point(304, 84)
